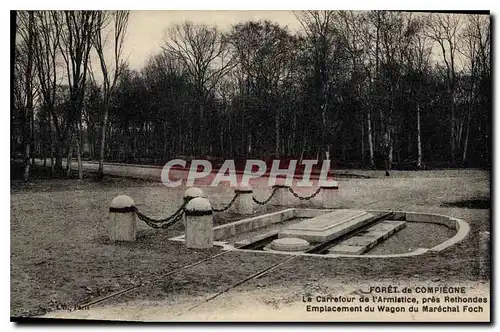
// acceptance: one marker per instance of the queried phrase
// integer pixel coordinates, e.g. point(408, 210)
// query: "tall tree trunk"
point(385, 150)
point(409, 146)
point(59, 156)
point(469, 112)
point(325, 144)
point(51, 145)
point(28, 111)
point(103, 139)
point(43, 143)
point(370, 138)
point(32, 135)
point(277, 133)
point(466, 141)
point(362, 142)
point(249, 144)
point(303, 150)
point(79, 152)
point(201, 134)
point(452, 130)
point(390, 152)
point(34, 149)
point(26, 161)
point(70, 156)
point(419, 138)
point(165, 141)
point(221, 138)
point(134, 146)
point(90, 142)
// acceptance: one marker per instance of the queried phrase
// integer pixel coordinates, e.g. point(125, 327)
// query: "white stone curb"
point(462, 230)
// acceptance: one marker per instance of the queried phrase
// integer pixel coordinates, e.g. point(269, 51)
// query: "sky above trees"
point(147, 28)
point(146, 32)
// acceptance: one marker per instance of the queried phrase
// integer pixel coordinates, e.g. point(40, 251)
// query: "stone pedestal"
point(199, 224)
point(281, 196)
point(244, 202)
point(484, 255)
point(189, 194)
point(328, 195)
point(122, 224)
point(289, 244)
point(193, 192)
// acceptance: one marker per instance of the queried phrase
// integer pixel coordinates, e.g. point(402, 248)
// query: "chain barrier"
point(178, 215)
point(264, 202)
point(304, 198)
point(227, 206)
point(165, 222)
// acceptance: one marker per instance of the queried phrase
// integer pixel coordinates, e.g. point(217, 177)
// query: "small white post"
point(199, 224)
point(327, 195)
point(281, 195)
point(193, 192)
point(484, 254)
point(189, 194)
point(244, 202)
point(122, 219)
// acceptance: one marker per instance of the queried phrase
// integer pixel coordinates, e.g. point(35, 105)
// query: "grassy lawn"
point(60, 256)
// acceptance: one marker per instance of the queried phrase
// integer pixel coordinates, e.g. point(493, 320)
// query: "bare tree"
point(417, 63)
point(319, 30)
point(476, 50)
point(110, 73)
point(26, 30)
point(203, 51)
point(76, 42)
point(355, 31)
point(46, 53)
point(266, 55)
point(444, 30)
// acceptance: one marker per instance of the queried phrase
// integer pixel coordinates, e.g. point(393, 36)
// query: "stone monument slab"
point(328, 226)
point(357, 245)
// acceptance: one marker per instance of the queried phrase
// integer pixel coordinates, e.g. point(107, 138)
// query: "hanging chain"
point(267, 200)
point(304, 198)
point(227, 206)
point(165, 222)
point(179, 214)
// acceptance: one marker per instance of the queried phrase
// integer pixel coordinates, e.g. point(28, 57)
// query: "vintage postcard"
point(250, 166)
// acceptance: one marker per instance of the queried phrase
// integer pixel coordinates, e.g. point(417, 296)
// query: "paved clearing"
point(60, 256)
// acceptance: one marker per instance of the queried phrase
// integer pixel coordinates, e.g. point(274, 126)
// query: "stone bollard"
point(193, 192)
point(484, 255)
point(281, 195)
point(199, 224)
point(189, 194)
point(244, 202)
point(122, 219)
point(327, 195)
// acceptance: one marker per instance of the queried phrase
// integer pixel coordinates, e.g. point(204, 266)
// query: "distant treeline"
point(360, 88)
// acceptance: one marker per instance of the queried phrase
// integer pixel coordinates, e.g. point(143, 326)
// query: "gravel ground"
point(60, 255)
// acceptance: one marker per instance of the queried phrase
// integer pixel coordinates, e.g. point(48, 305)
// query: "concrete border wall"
point(225, 231)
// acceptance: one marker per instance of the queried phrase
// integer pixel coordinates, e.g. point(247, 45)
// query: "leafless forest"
point(363, 89)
